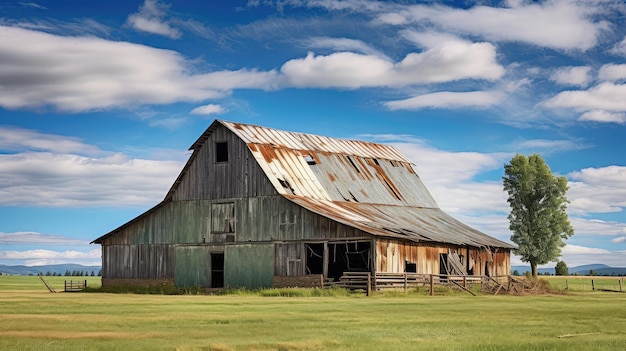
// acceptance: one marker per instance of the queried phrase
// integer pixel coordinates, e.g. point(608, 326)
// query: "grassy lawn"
point(34, 319)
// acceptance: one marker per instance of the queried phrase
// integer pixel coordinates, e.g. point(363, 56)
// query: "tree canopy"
point(561, 268)
point(538, 217)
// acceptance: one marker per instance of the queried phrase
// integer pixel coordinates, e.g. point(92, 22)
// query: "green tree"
point(537, 219)
point(561, 268)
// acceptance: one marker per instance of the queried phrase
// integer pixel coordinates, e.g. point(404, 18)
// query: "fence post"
point(566, 286)
point(405, 282)
point(432, 283)
point(369, 284)
point(621, 283)
point(593, 286)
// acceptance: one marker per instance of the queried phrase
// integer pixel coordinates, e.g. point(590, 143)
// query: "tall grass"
point(34, 319)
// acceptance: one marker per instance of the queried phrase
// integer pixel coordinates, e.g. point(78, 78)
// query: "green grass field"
point(34, 319)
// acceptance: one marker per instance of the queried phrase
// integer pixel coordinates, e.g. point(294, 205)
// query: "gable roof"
point(369, 186)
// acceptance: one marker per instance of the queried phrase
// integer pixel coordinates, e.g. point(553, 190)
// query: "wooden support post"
point(368, 289)
point(322, 281)
point(621, 284)
point(405, 283)
point(566, 286)
point(432, 285)
point(593, 286)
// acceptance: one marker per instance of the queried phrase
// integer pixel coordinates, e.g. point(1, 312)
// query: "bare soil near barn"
point(35, 319)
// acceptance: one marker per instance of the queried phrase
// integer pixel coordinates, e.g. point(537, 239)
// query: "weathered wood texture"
point(138, 261)
point(240, 177)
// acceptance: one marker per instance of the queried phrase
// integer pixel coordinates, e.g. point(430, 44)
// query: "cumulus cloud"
point(602, 103)
point(447, 100)
point(597, 190)
point(558, 24)
point(612, 72)
point(210, 109)
point(78, 74)
point(597, 227)
point(52, 171)
point(447, 61)
point(619, 48)
point(150, 19)
point(68, 180)
point(603, 116)
point(577, 76)
point(18, 139)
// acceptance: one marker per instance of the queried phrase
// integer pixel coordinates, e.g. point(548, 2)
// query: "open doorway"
point(315, 258)
point(348, 257)
point(217, 270)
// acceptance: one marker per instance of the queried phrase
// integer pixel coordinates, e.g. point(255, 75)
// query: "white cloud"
point(575, 255)
point(447, 61)
point(44, 257)
point(210, 109)
point(603, 116)
point(619, 239)
point(22, 238)
point(597, 190)
point(597, 227)
point(619, 48)
point(607, 97)
point(559, 24)
point(78, 74)
point(149, 19)
point(342, 44)
point(66, 180)
point(447, 99)
point(612, 72)
point(449, 178)
point(17, 139)
point(577, 76)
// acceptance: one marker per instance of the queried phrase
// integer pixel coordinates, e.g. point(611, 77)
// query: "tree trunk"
point(533, 269)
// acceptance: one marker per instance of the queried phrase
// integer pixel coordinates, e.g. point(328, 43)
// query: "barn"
point(258, 207)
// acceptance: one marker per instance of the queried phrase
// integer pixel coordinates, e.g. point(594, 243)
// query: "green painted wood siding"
point(193, 266)
point(248, 265)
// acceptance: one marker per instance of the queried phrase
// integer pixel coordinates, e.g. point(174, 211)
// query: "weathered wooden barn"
point(258, 207)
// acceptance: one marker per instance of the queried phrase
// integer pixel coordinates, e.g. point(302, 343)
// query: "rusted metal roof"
point(366, 185)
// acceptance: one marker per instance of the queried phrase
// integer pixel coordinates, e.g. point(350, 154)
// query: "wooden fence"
point(73, 286)
point(367, 282)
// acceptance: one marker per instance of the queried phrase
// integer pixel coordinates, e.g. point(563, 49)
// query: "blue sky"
point(100, 100)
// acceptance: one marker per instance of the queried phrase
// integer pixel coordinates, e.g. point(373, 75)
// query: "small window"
point(221, 152)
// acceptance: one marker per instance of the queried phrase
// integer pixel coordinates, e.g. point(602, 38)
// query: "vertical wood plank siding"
point(138, 261)
point(240, 177)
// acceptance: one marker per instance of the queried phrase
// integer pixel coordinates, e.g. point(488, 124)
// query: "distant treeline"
point(72, 274)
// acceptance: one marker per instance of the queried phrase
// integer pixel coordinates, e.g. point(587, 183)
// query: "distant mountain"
point(599, 269)
point(54, 268)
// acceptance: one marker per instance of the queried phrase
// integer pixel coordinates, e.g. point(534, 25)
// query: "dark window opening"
point(217, 270)
point(221, 152)
point(410, 267)
point(309, 160)
point(348, 257)
point(314, 258)
point(487, 269)
point(443, 264)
